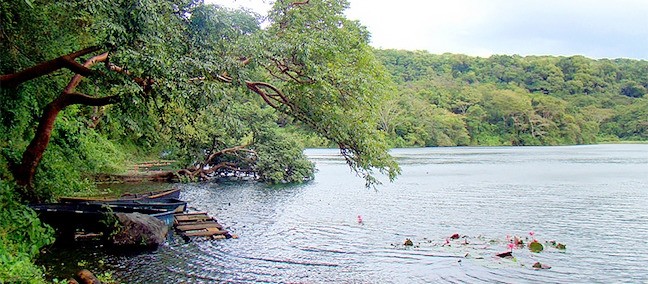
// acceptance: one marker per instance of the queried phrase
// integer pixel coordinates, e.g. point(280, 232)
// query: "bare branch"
point(226, 165)
point(300, 3)
point(240, 148)
point(277, 96)
point(225, 78)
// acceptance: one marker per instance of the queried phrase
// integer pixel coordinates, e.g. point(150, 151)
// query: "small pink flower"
point(360, 219)
point(511, 246)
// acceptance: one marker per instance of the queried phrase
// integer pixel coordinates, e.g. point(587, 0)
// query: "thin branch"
point(245, 60)
point(300, 3)
point(82, 99)
point(145, 83)
point(254, 86)
point(225, 78)
point(227, 165)
point(89, 63)
point(273, 74)
point(261, 93)
point(240, 148)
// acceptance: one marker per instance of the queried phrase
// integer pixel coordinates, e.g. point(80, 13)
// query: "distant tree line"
point(453, 99)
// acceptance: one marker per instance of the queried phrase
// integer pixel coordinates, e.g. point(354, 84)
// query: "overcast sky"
point(594, 28)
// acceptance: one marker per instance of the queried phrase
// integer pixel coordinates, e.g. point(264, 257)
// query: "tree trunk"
point(24, 173)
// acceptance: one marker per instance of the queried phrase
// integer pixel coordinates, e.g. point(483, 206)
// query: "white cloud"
point(594, 28)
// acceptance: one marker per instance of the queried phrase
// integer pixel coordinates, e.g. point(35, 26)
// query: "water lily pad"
point(561, 246)
point(535, 246)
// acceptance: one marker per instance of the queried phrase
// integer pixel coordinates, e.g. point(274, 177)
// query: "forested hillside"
point(452, 99)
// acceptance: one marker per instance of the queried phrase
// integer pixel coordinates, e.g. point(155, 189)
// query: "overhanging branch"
point(89, 63)
point(44, 68)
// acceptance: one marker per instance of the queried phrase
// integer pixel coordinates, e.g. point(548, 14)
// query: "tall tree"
point(311, 63)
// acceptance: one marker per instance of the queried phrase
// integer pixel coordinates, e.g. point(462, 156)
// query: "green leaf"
point(536, 247)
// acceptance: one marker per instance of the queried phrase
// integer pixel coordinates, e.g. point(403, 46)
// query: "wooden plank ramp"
point(199, 224)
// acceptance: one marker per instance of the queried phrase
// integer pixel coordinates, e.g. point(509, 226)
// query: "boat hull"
point(69, 218)
point(156, 195)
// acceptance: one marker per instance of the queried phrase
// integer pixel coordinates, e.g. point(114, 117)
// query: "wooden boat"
point(155, 195)
point(166, 217)
point(67, 218)
point(169, 204)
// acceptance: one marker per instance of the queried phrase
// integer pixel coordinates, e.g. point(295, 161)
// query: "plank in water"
point(206, 233)
point(202, 225)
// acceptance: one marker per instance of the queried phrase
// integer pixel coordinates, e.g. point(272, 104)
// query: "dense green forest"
point(91, 87)
point(453, 99)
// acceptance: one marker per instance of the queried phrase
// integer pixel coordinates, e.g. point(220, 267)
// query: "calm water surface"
point(594, 199)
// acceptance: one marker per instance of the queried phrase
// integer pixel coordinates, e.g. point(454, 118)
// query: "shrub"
point(21, 237)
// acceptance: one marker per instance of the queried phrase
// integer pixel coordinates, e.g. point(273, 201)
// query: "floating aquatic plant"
point(519, 250)
point(557, 245)
point(539, 265)
point(536, 246)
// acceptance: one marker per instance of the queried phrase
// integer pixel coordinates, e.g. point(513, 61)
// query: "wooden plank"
point(184, 216)
point(191, 213)
point(202, 225)
point(192, 218)
point(205, 233)
point(191, 222)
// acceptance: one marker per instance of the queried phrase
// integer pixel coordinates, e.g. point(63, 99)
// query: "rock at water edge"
point(139, 230)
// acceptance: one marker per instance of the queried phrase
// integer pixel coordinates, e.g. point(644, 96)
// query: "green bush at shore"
point(21, 237)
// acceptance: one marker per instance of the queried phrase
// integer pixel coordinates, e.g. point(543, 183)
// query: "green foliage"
point(512, 100)
point(332, 81)
point(21, 237)
point(281, 160)
point(324, 67)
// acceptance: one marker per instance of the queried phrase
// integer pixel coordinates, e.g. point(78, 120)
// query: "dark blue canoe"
point(169, 204)
point(67, 218)
point(148, 196)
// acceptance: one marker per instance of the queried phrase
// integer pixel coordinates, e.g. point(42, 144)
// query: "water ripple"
point(592, 198)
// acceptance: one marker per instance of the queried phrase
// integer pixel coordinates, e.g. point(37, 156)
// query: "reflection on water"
point(592, 198)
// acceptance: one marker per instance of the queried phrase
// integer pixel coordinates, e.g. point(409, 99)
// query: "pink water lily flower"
point(511, 246)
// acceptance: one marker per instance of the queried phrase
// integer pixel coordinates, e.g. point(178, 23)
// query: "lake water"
point(594, 199)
